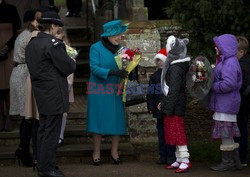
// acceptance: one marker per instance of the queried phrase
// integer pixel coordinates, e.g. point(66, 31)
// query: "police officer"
point(49, 66)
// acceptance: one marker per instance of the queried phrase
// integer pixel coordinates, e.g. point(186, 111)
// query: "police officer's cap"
point(50, 17)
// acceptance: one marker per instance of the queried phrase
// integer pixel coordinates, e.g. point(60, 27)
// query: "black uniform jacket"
point(175, 102)
point(49, 65)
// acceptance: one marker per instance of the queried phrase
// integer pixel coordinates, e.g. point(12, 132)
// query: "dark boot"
point(22, 152)
point(237, 162)
point(227, 162)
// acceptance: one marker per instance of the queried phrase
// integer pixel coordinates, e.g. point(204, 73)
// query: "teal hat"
point(113, 28)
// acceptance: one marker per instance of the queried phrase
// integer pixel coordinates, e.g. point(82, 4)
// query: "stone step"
point(82, 61)
point(74, 134)
point(82, 69)
point(79, 33)
point(80, 86)
point(74, 118)
point(84, 45)
point(75, 153)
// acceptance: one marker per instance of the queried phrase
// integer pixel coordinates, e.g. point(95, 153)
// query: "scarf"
point(111, 47)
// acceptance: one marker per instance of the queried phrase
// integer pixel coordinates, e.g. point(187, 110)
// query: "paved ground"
point(129, 169)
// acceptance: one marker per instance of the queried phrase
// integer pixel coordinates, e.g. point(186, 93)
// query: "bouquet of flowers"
point(199, 78)
point(127, 59)
point(72, 52)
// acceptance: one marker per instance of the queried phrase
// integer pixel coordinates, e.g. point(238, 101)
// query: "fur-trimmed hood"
point(177, 53)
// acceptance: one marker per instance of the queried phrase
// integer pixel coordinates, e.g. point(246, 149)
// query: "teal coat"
point(106, 113)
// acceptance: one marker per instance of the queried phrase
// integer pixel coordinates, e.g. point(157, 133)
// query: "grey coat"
point(19, 75)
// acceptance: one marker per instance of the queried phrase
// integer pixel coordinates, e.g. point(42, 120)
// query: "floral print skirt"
point(223, 129)
point(174, 130)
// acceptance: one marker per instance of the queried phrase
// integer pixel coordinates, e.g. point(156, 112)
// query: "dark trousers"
point(242, 121)
point(47, 141)
point(74, 6)
point(166, 152)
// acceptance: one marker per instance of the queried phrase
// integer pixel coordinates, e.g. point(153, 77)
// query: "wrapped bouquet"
point(72, 52)
point(199, 78)
point(127, 59)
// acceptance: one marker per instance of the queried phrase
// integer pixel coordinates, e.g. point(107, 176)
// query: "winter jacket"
point(175, 102)
point(225, 93)
point(154, 94)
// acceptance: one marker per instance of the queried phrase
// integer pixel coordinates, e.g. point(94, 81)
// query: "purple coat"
point(225, 94)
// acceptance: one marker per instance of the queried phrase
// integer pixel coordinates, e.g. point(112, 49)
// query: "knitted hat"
point(51, 17)
point(162, 54)
point(29, 16)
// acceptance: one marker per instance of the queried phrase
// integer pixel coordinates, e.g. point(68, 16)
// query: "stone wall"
point(150, 36)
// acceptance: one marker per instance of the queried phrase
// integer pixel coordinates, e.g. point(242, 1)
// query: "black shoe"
point(35, 167)
point(53, 173)
point(69, 14)
point(61, 143)
point(161, 161)
point(96, 162)
point(116, 161)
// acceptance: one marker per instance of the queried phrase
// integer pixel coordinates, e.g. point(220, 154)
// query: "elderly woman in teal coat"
point(106, 114)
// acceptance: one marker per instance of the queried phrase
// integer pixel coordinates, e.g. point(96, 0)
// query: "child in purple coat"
point(225, 100)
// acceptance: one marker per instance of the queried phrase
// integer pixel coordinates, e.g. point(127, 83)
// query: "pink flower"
point(126, 56)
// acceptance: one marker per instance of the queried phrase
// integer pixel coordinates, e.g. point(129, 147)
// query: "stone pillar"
point(133, 10)
point(145, 36)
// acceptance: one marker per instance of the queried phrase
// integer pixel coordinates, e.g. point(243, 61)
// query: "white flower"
point(200, 64)
point(199, 74)
point(193, 77)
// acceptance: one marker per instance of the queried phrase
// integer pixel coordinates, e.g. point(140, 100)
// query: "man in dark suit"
point(49, 65)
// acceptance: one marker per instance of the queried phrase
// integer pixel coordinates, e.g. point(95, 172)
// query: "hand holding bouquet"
point(127, 59)
point(199, 78)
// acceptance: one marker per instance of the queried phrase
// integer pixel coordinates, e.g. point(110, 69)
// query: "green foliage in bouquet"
point(204, 19)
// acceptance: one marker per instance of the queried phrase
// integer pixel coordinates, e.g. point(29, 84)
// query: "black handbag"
point(136, 93)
